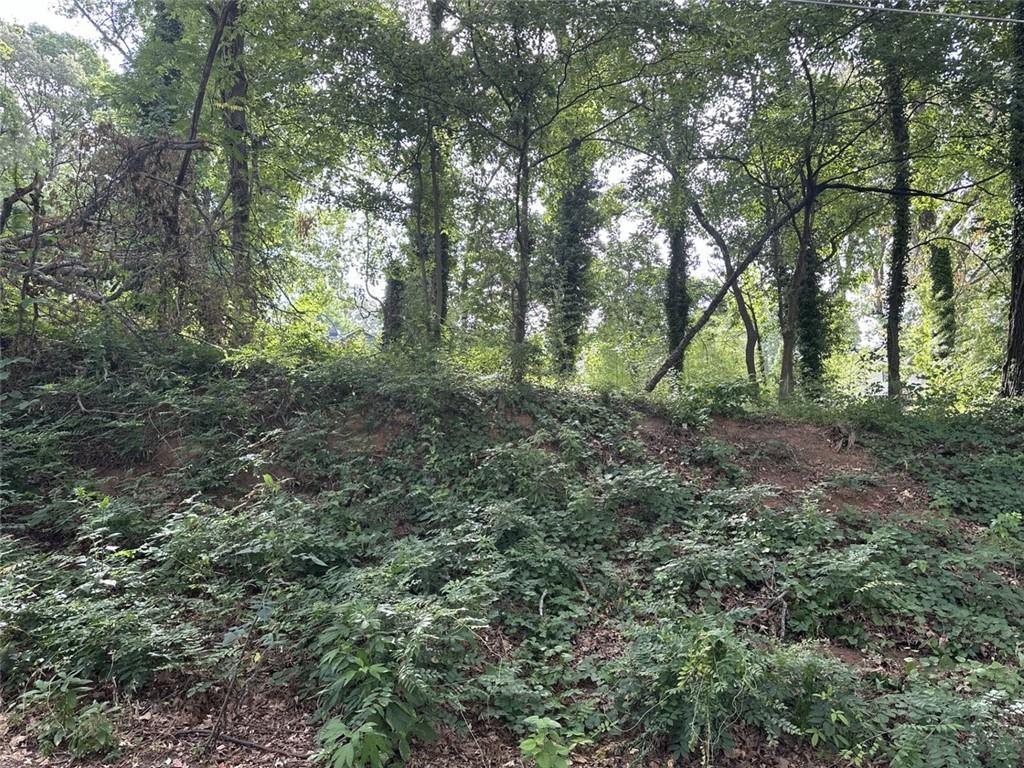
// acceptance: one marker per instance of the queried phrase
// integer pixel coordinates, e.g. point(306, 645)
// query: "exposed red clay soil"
point(524, 420)
point(663, 440)
point(170, 454)
point(373, 435)
point(796, 458)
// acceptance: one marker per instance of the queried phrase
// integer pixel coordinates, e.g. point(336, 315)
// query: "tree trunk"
point(787, 373)
point(237, 123)
point(524, 249)
point(777, 269)
point(440, 237)
point(36, 206)
point(812, 325)
point(673, 358)
point(790, 311)
point(568, 294)
point(763, 374)
point(393, 290)
point(420, 246)
point(897, 289)
point(1013, 367)
point(440, 243)
point(749, 323)
point(940, 269)
point(677, 296)
point(750, 351)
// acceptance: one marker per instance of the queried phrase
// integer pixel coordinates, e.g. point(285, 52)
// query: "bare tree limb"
point(910, 192)
point(676, 354)
point(211, 55)
point(107, 38)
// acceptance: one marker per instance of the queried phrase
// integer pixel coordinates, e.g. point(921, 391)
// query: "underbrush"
point(973, 463)
point(412, 548)
point(970, 458)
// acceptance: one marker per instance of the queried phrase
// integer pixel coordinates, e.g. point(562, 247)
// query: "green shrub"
point(690, 681)
point(387, 673)
point(85, 616)
point(430, 547)
point(61, 720)
point(548, 745)
point(969, 717)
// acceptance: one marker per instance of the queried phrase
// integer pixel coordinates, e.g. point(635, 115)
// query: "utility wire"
point(917, 12)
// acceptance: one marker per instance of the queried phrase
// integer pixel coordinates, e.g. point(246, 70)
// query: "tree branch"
point(676, 354)
point(211, 55)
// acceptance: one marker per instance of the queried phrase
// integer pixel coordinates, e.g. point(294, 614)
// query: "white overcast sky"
point(45, 12)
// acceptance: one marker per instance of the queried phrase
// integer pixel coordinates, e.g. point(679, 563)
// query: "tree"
point(1013, 366)
point(575, 227)
point(237, 148)
point(536, 72)
point(808, 143)
point(664, 135)
point(441, 241)
point(49, 89)
point(897, 287)
point(812, 324)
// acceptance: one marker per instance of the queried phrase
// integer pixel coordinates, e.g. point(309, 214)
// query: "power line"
point(916, 12)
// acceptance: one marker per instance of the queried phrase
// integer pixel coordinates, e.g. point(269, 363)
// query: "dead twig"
point(222, 716)
point(209, 734)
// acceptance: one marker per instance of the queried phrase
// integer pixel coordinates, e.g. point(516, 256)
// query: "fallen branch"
point(207, 733)
point(222, 716)
point(676, 354)
point(79, 220)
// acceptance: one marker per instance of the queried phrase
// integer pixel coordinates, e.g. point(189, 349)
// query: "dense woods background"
point(506, 383)
point(546, 188)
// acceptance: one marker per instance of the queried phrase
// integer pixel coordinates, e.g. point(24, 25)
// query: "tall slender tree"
point(896, 290)
point(235, 99)
point(440, 53)
point(1013, 366)
point(812, 325)
point(940, 271)
point(575, 225)
point(533, 68)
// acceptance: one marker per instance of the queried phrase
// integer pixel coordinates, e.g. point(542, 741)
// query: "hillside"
point(244, 564)
point(512, 383)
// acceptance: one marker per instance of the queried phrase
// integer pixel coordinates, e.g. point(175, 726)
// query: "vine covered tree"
point(572, 250)
point(333, 349)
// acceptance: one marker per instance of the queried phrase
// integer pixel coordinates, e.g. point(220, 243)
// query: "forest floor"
point(793, 458)
point(191, 547)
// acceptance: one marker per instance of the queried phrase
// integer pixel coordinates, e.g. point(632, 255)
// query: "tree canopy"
point(513, 382)
point(845, 176)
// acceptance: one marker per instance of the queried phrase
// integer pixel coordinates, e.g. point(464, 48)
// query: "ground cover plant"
point(512, 383)
point(418, 557)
